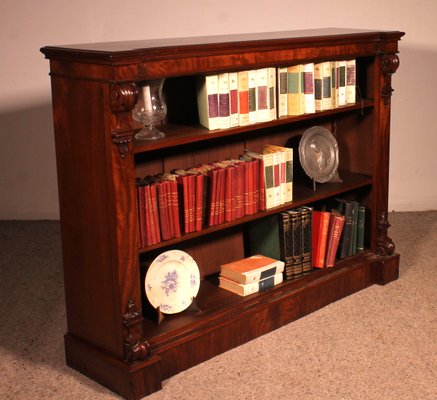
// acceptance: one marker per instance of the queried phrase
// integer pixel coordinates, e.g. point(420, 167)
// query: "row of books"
point(305, 238)
point(241, 98)
point(187, 200)
point(251, 274)
point(307, 88)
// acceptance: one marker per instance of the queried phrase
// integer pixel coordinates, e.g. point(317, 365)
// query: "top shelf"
point(178, 135)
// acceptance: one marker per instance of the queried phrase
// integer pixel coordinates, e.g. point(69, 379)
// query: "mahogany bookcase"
point(110, 336)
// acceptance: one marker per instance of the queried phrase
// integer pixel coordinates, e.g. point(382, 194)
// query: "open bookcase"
point(111, 337)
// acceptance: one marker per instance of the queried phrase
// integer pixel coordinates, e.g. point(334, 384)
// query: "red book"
point(169, 212)
point(221, 196)
point(155, 214)
point(150, 231)
point(182, 182)
point(175, 211)
point(319, 237)
point(239, 196)
point(198, 201)
point(191, 202)
point(336, 224)
point(163, 210)
point(229, 193)
point(213, 173)
point(141, 214)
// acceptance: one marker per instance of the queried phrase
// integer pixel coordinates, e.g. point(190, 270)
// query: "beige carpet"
point(380, 343)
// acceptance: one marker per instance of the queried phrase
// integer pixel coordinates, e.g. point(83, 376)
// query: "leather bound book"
point(233, 99)
point(250, 288)
point(207, 101)
point(319, 237)
point(336, 224)
point(251, 269)
point(296, 243)
point(243, 98)
point(306, 222)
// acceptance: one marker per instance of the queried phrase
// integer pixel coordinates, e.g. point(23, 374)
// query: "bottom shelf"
point(226, 321)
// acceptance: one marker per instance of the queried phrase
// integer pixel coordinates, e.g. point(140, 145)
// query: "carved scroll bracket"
point(389, 65)
point(135, 347)
point(123, 99)
point(384, 245)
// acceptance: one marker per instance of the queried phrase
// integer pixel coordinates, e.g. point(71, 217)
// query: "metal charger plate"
point(318, 154)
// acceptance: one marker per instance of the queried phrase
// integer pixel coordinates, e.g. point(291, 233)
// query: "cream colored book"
point(262, 95)
point(318, 86)
point(326, 86)
point(271, 83)
point(341, 83)
point(207, 101)
point(252, 75)
point(233, 98)
point(308, 88)
point(224, 101)
point(250, 288)
point(251, 269)
point(282, 92)
point(350, 81)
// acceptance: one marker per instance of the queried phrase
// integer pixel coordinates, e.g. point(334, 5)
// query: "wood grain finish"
point(111, 337)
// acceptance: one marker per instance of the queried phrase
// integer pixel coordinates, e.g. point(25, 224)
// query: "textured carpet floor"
point(380, 343)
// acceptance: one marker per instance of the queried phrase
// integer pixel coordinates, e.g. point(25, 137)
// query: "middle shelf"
point(303, 194)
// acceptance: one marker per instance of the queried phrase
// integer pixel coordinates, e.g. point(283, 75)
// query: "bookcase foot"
point(132, 381)
point(387, 269)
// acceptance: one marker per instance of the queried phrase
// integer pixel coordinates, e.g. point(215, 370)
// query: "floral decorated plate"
point(172, 281)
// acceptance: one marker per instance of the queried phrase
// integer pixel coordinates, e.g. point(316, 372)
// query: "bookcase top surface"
point(171, 46)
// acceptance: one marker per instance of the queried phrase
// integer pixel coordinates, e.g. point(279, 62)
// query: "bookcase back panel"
point(354, 134)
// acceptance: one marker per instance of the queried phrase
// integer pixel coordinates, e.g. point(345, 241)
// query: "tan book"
point(251, 269)
point(243, 98)
point(295, 92)
point(250, 288)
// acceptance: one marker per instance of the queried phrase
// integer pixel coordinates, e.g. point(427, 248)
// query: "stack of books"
point(251, 274)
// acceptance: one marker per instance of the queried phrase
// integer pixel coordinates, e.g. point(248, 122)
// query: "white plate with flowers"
point(172, 281)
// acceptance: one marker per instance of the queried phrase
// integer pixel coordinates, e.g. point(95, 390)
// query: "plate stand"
point(159, 315)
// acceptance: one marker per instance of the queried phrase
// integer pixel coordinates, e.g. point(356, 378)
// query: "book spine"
point(282, 92)
point(243, 97)
point(272, 93)
point(318, 86)
point(326, 86)
point(350, 81)
point(285, 245)
point(295, 90)
point(224, 101)
point(308, 84)
point(361, 227)
point(252, 79)
point(296, 242)
point(233, 98)
point(336, 225)
point(306, 226)
point(341, 82)
point(207, 101)
point(262, 98)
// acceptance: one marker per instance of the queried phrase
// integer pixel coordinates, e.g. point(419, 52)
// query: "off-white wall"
point(28, 186)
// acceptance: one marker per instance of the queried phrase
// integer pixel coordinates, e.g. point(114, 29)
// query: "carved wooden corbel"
point(135, 347)
point(389, 65)
point(122, 101)
point(384, 244)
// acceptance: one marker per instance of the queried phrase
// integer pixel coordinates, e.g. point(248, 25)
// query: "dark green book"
point(361, 227)
point(306, 221)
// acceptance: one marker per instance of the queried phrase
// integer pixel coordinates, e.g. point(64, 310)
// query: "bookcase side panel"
point(85, 196)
